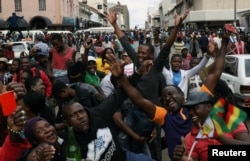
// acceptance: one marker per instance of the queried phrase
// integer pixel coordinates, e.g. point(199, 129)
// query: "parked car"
point(237, 75)
point(21, 46)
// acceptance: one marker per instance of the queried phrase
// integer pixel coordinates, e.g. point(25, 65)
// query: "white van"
point(100, 30)
point(60, 31)
point(32, 33)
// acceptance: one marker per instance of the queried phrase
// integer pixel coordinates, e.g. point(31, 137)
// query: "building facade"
point(207, 13)
point(164, 7)
point(153, 17)
point(41, 14)
point(84, 15)
point(123, 15)
point(101, 6)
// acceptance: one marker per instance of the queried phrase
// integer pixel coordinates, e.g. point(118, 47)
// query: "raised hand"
point(88, 44)
point(111, 17)
point(179, 19)
point(17, 120)
point(43, 152)
point(226, 36)
point(145, 67)
point(18, 88)
point(116, 66)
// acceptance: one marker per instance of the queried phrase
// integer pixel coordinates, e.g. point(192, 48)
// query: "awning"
point(244, 13)
point(44, 18)
point(69, 21)
point(21, 23)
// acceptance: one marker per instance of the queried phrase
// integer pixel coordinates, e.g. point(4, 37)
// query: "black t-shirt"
point(101, 141)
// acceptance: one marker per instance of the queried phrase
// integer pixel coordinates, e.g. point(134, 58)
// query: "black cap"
point(196, 98)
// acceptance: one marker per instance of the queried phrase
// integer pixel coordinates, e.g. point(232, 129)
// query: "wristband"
point(20, 133)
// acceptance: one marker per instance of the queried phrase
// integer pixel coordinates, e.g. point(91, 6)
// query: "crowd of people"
point(117, 99)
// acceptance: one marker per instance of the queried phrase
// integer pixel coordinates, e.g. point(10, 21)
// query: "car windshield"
point(18, 47)
point(25, 33)
point(247, 67)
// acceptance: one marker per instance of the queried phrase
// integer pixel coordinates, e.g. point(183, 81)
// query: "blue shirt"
point(176, 125)
point(176, 78)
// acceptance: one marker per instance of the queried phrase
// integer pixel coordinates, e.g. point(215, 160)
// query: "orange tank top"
point(60, 61)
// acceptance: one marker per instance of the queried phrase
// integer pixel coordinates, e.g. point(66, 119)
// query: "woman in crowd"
point(37, 131)
point(102, 65)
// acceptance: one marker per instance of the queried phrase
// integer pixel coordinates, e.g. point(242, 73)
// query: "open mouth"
point(171, 102)
point(83, 123)
point(140, 60)
point(92, 70)
point(194, 118)
point(51, 136)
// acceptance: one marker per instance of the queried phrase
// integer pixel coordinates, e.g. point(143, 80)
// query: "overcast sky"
point(138, 10)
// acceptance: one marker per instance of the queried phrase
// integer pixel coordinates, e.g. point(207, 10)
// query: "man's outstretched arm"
point(112, 18)
point(117, 70)
point(217, 68)
point(178, 22)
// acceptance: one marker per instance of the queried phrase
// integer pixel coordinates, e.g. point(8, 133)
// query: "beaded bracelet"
point(20, 133)
point(14, 131)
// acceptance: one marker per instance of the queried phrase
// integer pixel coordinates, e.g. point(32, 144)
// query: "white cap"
point(3, 59)
point(91, 58)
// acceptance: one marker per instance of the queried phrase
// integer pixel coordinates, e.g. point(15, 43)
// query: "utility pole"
point(234, 13)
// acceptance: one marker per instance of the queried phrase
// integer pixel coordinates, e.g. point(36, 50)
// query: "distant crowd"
point(118, 91)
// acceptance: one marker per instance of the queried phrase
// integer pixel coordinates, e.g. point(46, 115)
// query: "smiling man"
point(175, 119)
point(171, 116)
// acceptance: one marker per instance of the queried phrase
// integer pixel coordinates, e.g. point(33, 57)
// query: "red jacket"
point(43, 76)
point(46, 81)
point(9, 54)
point(12, 151)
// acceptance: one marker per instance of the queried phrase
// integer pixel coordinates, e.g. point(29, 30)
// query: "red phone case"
point(230, 28)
